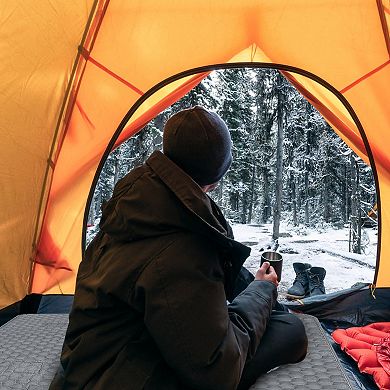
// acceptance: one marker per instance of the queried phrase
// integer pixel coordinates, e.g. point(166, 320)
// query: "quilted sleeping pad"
point(30, 347)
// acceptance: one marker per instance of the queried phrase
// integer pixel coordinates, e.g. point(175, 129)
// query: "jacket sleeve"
point(204, 340)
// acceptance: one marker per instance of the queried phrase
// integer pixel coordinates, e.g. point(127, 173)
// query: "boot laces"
point(301, 278)
point(316, 282)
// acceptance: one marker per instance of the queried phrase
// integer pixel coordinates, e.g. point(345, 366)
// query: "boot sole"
point(292, 297)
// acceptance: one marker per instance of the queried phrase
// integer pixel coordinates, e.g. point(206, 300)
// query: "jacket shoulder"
point(187, 250)
point(184, 257)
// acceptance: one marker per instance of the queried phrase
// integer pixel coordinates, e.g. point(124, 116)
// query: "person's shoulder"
point(132, 176)
point(188, 250)
point(187, 239)
point(183, 254)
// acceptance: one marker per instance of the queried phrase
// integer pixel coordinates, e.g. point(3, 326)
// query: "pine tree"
point(281, 94)
point(272, 126)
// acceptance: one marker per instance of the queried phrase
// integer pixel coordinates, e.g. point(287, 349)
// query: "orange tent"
point(71, 70)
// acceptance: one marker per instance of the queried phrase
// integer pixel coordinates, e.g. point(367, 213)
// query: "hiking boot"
point(316, 280)
point(300, 287)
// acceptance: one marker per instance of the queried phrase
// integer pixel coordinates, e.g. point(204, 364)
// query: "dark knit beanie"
point(199, 142)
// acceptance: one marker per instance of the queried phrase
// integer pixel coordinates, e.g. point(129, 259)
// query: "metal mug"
point(275, 259)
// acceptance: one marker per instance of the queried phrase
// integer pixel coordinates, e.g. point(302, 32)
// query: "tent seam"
point(362, 78)
point(114, 75)
point(382, 17)
point(51, 161)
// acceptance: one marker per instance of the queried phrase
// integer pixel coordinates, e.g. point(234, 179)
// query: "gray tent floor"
point(30, 346)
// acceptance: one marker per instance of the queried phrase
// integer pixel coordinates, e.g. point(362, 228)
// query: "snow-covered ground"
point(327, 248)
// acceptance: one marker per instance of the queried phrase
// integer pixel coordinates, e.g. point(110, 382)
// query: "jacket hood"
point(159, 198)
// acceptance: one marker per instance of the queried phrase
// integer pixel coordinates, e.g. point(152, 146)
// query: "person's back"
point(150, 304)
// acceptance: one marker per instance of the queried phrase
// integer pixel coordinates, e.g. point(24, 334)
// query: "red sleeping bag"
point(369, 346)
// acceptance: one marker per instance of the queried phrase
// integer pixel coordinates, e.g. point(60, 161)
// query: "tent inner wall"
point(114, 80)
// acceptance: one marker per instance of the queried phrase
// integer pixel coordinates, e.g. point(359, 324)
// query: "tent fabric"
point(37, 52)
point(119, 51)
point(359, 305)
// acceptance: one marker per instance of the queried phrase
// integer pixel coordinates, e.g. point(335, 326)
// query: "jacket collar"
point(196, 201)
point(187, 190)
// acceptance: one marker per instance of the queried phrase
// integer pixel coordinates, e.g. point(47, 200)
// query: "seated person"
point(150, 308)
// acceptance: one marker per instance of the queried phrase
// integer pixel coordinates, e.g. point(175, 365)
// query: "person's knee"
point(298, 337)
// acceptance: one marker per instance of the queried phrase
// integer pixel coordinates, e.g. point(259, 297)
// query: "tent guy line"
point(84, 114)
point(377, 69)
point(87, 56)
point(117, 77)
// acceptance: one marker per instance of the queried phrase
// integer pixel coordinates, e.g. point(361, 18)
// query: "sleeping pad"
point(369, 346)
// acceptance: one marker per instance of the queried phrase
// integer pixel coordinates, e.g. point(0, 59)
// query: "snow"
point(327, 248)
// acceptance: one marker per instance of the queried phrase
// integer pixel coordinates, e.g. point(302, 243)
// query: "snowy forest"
point(288, 163)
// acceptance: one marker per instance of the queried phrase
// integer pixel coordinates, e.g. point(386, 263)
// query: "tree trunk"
point(294, 199)
point(298, 196)
point(159, 123)
point(326, 189)
point(98, 207)
point(92, 213)
point(234, 196)
point(355, 225)
point(142, 149)
point(359, 211)
point(219, 193)
point(244, 207)
point(116, 170)
point(252, 193)
point(344, 208)
point(266, 209)
point(279, 164)
point(307, 165)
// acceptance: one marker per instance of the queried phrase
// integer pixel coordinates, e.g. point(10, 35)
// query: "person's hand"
point(271, 276)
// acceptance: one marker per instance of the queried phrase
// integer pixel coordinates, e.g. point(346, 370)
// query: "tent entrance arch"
point(206, 70)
